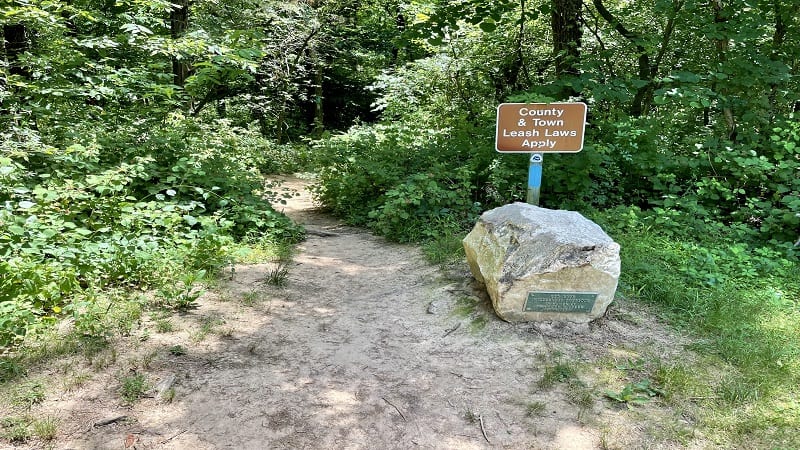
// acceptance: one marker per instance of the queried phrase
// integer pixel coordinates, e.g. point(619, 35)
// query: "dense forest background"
point(135, 136)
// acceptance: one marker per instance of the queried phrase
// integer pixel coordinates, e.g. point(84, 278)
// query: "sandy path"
point(367, 347)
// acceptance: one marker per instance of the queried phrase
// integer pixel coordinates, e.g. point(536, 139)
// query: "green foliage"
point(45, 429)
point(635, 394)
point(15, 429)
point(29, 394)
point(133, 387)
point(16, 320)
point(422, 207)
point(445, 250)
point(183, 294)
point(557, 373)
point(278, 275)
point(177, 350)
point(535, 409)
point(113, 178)
point(741, 299)
point(10, 368)
point(90, 219)
point(395, 181)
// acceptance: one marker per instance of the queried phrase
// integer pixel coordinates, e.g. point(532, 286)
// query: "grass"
point(20, 429)
point(45, 429)
point(164, 326)
point(262, 250)
point(259, 250)
point(535, 409)
point(208, 325)
point(678, 379)
point(278, 275)
point(251, 298)
point(29, 394)
point(581, 396)
point(445, 250)
point(466, 306)
point(177, 350)
point(74, 381)
point(739, 381)
point(168, 396)
point(133, 387)
point(743, 311)
point(15, 429)
point(748, 326)
point(557, 373)
point(90, 343)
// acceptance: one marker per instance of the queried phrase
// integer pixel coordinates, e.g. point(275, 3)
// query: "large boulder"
point(541, 264)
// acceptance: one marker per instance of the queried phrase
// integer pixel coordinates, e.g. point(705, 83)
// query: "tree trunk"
point(565, 19)
point(778, 39)
point(722, 45)
point(179, 22)
point(283, 113)
point(643, 93)
point(319, 124)
point(16, 43)
point(648, 70)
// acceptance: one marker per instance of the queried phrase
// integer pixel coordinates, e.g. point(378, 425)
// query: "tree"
point(15, 44)
point(178, 24)
point(649, 65)
point(565, 20)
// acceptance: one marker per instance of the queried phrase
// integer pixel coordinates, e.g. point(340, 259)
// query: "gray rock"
point(519, 249)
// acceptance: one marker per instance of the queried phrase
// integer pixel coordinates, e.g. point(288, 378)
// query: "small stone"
point(519, 249)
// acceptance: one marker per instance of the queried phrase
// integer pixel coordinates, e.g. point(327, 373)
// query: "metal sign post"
point(539, 128)
point(535, 178)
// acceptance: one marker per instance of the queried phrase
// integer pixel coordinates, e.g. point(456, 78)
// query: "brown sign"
point(540, 127)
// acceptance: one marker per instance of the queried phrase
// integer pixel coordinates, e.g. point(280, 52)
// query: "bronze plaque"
point(561, 302)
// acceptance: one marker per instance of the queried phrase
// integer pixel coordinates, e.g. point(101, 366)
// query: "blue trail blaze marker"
point(535, 178)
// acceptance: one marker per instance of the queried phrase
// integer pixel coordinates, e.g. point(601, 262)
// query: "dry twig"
point(172, 437)
point(483, 430)
point(396, 408)
point(451, 330)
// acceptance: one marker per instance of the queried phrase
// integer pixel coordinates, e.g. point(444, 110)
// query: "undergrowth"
point(740, 300)
point(87, 226)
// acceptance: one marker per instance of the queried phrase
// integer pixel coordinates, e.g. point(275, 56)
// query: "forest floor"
point(367, 346)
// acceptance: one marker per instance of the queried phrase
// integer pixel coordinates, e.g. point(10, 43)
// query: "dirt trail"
point(368, 347)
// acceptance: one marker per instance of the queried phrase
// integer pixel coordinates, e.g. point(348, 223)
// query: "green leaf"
point(16, 230)
point(488, 27)
point(191, 220)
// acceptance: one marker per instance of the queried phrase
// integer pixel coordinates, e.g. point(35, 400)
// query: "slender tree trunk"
point(319, 123)
point(648, 69)
point(722, 45)
point(179, 22)
point(283, 111)
point(677, 5)
point(778, 39)
point(565, 19)
point(400, 21)
point(637, 107)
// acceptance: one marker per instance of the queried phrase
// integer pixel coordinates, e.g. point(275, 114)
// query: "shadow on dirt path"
point(369, 347)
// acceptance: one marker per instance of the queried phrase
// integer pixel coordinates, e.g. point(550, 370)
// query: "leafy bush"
point(86, 216)
point(402, 181)
point(424, 207)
